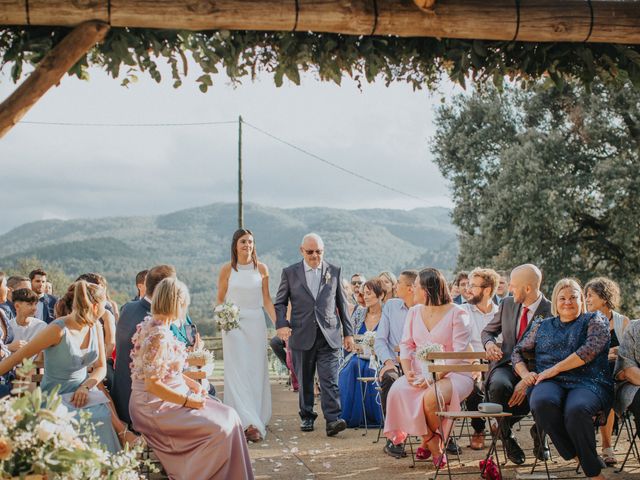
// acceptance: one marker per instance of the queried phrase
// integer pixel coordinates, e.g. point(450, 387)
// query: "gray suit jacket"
point(507, 322)
point(131, 315)
point(328, 310)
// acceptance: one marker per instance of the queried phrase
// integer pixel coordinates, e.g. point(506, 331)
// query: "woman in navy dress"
point(571, 379)
point(358, 365)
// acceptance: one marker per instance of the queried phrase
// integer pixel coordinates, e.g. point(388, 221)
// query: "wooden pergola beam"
point(605, 21)
point(50, 71)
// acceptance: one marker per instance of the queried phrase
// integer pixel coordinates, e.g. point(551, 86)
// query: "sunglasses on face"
point(356, 284)
point(311, 252)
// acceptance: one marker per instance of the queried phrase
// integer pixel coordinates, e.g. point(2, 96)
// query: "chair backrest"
point(458, 367)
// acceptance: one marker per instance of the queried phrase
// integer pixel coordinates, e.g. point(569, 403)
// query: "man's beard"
point(474, 300)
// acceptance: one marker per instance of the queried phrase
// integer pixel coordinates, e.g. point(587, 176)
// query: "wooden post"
point(50, 71)
point(240, 203)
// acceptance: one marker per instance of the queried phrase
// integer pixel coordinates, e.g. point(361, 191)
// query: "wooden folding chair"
point(453, 416)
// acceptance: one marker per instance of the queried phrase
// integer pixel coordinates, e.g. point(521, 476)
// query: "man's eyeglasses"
point(470, 286)
point(311, 252)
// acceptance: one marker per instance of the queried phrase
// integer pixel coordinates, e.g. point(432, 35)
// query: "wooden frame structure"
point(604, 21)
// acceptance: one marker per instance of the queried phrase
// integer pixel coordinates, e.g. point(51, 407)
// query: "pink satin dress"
point(405, 414)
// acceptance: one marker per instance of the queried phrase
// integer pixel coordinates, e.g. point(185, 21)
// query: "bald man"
point(503, 386)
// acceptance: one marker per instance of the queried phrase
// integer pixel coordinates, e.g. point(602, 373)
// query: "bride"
point(245, 282)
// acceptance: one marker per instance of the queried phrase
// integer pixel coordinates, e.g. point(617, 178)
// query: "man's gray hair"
point(313, 236)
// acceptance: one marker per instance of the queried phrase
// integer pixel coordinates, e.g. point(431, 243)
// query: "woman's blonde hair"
point(85, 297)
point(561, 285)
point(170, 298)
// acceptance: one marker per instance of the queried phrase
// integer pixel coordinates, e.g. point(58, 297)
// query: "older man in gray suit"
point(512, 320)
point(319, 326)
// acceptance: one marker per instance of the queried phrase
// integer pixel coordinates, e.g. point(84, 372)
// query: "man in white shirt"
point(481, 288)
point(25, 326)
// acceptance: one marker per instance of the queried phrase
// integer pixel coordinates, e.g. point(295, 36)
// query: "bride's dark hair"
point(234, 248)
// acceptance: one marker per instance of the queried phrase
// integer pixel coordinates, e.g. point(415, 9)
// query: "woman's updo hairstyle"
point(170, 298)
point(85, 297)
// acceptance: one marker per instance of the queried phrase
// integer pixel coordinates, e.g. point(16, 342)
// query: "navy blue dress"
point(5, 339)
point(351, 389)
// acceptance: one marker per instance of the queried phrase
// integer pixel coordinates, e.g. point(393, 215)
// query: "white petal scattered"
point(295, 450)
point(326, 465)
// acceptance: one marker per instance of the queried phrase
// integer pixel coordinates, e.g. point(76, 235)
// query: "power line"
point(74, 124)
point(335, 165)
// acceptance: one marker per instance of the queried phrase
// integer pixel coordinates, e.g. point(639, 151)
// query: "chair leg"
point(381, 426)
point(632, 444)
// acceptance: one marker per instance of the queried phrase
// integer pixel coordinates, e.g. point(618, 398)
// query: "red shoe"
point(423, 453)
point(491, 471)
point(440, 461)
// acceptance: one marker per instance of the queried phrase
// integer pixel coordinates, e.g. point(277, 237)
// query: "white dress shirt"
point(312, 275)
point(478, 320)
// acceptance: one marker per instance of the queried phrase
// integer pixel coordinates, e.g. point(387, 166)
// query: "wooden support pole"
point(50, 71)
point(605, 21)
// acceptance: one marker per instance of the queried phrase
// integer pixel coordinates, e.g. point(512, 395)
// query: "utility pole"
point(240, 205)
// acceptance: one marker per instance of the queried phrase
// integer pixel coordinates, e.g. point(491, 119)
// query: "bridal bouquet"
point(367, 343)
point(227, 316)
point(422, 355)
point(39, 437)
point(201, 357)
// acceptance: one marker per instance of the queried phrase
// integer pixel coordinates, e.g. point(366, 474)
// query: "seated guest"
point(603, 295)
point(6, 335)
point(460, 282)
point(357, 280)
point(412, 403)
point(388, 337)
point(571, 380)
point(71, 344)
point(4, 291)
point(140, 288)
point(357, 364)
point(14, 283)
point(389, 283)
point(132, 314)
point(503, 288)
point(25, 326)
point(502, 385)
point(46, 303)
point(627, 373)
point(194, 436)
point(482, 286)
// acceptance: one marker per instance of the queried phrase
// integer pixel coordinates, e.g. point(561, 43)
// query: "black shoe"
point(306, 425)
point(395, 451)
point(335, 427)
point(541, 452)
point(514, 452)
point(453, 448)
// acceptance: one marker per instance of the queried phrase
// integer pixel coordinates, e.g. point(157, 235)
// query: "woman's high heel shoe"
point(423, 453)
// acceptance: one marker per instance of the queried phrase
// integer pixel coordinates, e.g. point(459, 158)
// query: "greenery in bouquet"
point(40, 436)
point(368, 339)
point(422, 354)
point(227, 316)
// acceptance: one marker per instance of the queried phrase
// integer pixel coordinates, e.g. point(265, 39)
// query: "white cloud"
point(379, 132)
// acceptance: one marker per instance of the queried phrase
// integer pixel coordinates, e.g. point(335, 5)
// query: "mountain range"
point(197, 242)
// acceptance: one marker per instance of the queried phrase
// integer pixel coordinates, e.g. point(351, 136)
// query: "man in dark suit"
point(319, 320)
point(46, 303)
point(131, 315)
point(513, 318)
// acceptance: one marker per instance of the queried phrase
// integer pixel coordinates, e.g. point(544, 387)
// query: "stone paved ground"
point(288, 453)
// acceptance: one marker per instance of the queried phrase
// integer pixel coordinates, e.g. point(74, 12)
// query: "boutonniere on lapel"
point(327, 277)
point(538, 318)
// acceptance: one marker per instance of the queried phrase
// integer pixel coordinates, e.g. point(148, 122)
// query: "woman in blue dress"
point(365, 319)
point(71, 344)
point(571, 380)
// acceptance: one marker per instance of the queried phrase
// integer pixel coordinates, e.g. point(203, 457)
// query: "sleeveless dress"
point(351, 390)
point(65, 364)
point(191, 444)
point(246, 371)
point(405, 415)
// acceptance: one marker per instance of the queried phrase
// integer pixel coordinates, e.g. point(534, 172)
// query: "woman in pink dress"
point(194, 436)
point(412, 404)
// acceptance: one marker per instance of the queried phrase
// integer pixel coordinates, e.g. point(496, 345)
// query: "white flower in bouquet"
point(368, 339)
point(227, 316)
point(422, 355)
point(205, 356)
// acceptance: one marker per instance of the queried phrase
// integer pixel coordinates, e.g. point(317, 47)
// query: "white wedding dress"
point(246, 372)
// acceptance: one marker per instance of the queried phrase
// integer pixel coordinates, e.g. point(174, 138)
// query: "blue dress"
point(351, 390)
point(6, 339)
point(65, 364)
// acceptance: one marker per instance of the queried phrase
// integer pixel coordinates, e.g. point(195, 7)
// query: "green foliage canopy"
point(547, 176)
point(421, 62)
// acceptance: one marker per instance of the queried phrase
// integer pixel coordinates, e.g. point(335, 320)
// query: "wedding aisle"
point(289, 453)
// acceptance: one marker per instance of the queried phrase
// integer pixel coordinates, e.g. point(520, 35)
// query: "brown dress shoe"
point(477, 441)
point(252, 434)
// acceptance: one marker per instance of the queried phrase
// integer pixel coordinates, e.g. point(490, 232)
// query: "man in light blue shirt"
point(388, 337)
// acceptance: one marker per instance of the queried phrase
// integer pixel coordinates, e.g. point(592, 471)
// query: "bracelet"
point(186, 398)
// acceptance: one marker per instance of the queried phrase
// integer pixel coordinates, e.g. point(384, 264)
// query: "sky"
point(66, 172)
